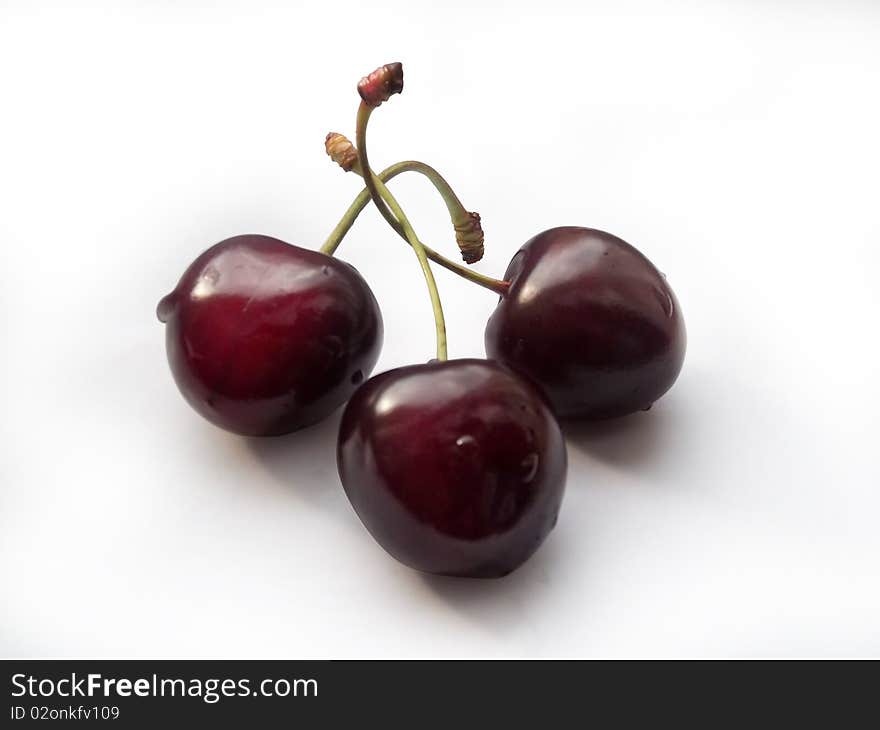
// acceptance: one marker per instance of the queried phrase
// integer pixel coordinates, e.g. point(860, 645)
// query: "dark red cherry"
point(264, 338)
point(589, 319)
point(455, 468)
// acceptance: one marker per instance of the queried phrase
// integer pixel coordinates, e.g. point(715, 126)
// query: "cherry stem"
point(468, 232)
point(360, 202)
point(422, 255)
point(377, 188)
point(363, 119)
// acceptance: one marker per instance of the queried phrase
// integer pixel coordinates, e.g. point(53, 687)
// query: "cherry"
point(589, 319)
point(455, 467)
point(264, 338)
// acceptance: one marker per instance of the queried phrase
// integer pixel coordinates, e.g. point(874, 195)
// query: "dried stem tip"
point(469, 235)
point(380, 85)
point(341, 151)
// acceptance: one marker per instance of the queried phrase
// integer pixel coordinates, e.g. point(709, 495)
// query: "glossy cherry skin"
point(264, 338)
point(591, 321)
point(455, 468)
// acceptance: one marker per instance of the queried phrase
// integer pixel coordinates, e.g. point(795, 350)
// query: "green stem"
point(377, 188)
point(457, 212)
point(422, 255)
point(468, 233)
point(342, 228)
point(363, 119)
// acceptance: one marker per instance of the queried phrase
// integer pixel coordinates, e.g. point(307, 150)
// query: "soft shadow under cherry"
point(303, 462)
point(635, 441)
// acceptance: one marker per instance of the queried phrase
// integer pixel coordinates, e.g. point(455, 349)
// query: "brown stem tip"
point(469, 235)
point(341, 151)
point(380, 85)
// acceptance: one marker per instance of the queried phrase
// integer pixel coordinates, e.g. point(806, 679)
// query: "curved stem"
point(421, 254)
point(363, 119)
point(468, 232)
point(498, 286)
point(377, 188)
point(457, 212)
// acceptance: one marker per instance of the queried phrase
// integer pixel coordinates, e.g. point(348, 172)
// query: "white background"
point(735, 143)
